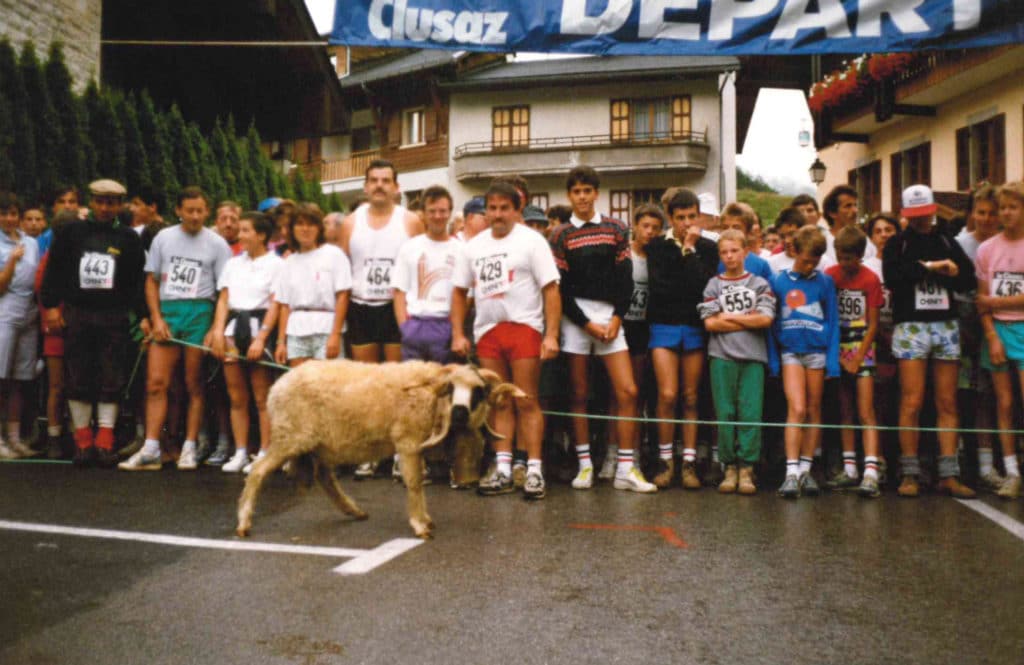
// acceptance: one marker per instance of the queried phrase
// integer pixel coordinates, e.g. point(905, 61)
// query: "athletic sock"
point(583, 456)
point(1010, 462)
point(151, 448)
point(985, 461)
point(53, 430)
point(665, 451)
point(714, 453)
point(871, 467)
point(504, 461)
point(805, 464)
point(689, 455)
point(792, 467)
point(625, 462)
point(105, 438)
point(81, 413)
point(106, 414)
point(534, 466)
point(13, 431)
point(188, 446)
point(850, 464)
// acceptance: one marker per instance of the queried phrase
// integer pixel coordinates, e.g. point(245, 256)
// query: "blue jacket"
point(753, 264)
point(807, 319)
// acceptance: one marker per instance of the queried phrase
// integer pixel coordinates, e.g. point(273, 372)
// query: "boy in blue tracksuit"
point(806, 350)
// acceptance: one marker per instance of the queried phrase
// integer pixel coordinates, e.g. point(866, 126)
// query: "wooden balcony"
point(405, 158)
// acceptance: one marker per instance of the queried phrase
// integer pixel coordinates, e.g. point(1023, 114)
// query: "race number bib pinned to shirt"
point(182, 280)
point(930, 296)
point(638, 303)
point(737, 299)
point(378, 278)
point(493, 276)
point(1007, 284)
point(96, 271)
point(852, 306)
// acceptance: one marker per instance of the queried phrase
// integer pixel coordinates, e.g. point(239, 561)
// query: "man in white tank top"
point(372, 236)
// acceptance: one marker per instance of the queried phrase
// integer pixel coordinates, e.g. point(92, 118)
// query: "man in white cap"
point(95, 271)
point(923, 267)
point(709, 216)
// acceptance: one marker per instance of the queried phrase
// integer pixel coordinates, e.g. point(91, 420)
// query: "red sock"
point(105, 438)
point(83, 438)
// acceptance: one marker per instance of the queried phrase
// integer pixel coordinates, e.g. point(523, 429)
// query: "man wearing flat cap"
point(95, 271)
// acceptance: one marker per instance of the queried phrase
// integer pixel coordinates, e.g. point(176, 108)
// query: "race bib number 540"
point(96, 271)
point(183, 277)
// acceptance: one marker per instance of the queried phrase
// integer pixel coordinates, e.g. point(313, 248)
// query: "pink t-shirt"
point(1000, 262)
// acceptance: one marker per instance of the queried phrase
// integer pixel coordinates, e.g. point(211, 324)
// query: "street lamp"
point(817, 171)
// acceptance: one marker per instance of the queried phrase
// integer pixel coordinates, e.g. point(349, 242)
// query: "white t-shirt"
point(506, 276)
point(250, 283)
point(309, 283)
point(423, 271)
point(187, 265)
point(638, 302)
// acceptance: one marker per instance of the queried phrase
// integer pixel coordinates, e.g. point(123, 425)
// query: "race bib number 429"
point(183, 277)
point(493, 277)
point(96, 271)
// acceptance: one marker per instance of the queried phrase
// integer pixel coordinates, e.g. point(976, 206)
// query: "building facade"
point(75, 23)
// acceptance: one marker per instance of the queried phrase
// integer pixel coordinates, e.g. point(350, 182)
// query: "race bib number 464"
point(96, 271)
point(182, 280)
point(378, 278)
point(493, 276)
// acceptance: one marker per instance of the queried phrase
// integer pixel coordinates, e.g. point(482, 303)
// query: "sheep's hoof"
point(425, 534)
point(361, 516)
point(422, 530)
point(242, 531)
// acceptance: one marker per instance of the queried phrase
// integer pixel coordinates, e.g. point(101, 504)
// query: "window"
point(306, 151)
point(539, 200)
point(412, 126)
point(624, 202)
point(981, 153)
point(867, 180)
point(510, 126)
point(650, 119)
point(364, 139)
point(910, 167)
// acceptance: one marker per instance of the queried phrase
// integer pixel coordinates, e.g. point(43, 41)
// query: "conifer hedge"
point(51, 136)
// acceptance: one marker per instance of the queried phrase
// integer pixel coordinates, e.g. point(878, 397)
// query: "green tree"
point(219, 146)
point(212, 177)
point(261, 168)
point(74, 152)
point(745, 180)
point(6, 145)
point(237, 165)
point(137, 174)
point(106, 134)
point(183, 150)
point(47, 134)
point(23, 148)
point(334, 203)
point(161, 167)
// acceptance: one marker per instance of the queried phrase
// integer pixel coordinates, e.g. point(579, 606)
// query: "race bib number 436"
point(493, 277)
point(1008, 284)
point(182, 280)
point(96, 271)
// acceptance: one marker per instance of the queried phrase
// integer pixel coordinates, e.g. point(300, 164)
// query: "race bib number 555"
point(737, 300)
point(96, 271)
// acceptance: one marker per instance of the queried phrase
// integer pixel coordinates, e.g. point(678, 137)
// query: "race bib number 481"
point(96, 271)
point(182, 280)
point(493, 276)
point(930, 296)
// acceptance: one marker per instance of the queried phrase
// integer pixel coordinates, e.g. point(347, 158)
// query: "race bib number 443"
point(493, 276)
point(182, 280)
point(96, 271)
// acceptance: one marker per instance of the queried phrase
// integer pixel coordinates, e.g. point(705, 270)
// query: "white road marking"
point(362, 561)
point(999, 517)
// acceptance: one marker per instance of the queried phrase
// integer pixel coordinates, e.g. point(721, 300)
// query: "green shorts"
point(189, 320)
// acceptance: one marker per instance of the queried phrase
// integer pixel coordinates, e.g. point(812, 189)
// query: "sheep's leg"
point(412, 474)
point(325, 474)
point(247, 502)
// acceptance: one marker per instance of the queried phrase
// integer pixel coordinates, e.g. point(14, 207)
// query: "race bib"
point(737, 300)
point(1007, 284)
point(638, 303)
point(96, 271)
point(852, 306)
point(930, 296)
point(493, 276)
point(378, 278)
point(182, 280)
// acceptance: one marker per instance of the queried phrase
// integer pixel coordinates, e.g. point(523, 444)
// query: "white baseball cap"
point(708, 204)
point(918, 201)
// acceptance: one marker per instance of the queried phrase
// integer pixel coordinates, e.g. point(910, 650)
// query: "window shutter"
point(896, 181)
point(963, 159)
point(999, 149)
point(395, 129)
point(429, 124)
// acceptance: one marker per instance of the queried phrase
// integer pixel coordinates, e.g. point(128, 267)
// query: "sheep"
point(343, 412)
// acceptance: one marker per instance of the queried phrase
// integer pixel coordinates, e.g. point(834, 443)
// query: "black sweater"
point(676, 282)
point(901, 266)
point(65, 266)
point(594, 263)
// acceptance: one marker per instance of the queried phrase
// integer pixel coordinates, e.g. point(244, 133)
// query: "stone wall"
point(75, 23)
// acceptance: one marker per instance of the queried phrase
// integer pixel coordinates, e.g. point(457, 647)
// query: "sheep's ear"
point(490, 376)
point(503, 392)
point(439, 382)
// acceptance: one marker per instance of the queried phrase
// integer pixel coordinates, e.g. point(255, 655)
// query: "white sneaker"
point(634, 481)
point(237, 462)
point(140, 462)
point(20, 449)
point(365, 470)
point(991, 481)
point(611, 461)
point(187, 459)
point(6, 452)
point(584, 480)
point(248, 467)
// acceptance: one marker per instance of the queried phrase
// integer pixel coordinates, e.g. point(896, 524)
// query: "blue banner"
point(680, 27)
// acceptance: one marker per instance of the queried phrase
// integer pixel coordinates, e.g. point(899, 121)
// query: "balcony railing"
point(354, 166)
point(405, 158)
point(571, 142)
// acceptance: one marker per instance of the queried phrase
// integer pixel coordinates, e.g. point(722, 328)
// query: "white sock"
point(81, 413)
point(984, 461)
point(850, 464)
point(106, 414)
point(151, 448)
point(1010, 462)
point(534, 466)
point(871, 467)
point(689, 455)
point(805, 465)
point(13, 431)
point(504, 463)
point(188, 446)
point(53, 430)
point(792, 467)
point(714, 453)
point(665, 451)
point(583, 456)
point(625, 462)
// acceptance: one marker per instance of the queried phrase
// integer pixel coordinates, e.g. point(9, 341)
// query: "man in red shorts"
point(515, 286)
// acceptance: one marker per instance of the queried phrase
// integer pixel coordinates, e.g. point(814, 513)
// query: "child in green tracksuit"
point(738, 307)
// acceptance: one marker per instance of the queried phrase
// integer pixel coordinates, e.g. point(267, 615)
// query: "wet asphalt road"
point(731, 580)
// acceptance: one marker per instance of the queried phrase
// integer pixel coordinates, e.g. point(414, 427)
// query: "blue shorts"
point(1011, 334)
point(677, 338)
